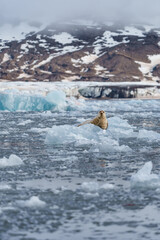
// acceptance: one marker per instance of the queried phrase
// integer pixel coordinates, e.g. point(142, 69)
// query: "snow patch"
point(24, 75)
point(132, 31)
point(147, 68)
point(89, 58)
point(64, 38)
point(18, 32)
point(6, 58)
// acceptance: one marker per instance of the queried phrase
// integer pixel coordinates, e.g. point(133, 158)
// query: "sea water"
point(60, 181)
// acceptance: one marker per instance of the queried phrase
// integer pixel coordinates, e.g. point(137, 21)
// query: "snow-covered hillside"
point(79, 51)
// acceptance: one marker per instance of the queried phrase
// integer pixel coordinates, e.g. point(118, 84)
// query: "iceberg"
point(33, 202)
point(144, 178)
point(14, 100)
point(13, 160)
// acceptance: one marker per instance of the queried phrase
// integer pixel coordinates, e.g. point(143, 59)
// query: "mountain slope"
point(81, 52)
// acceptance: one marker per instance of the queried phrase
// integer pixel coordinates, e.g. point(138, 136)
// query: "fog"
point(13, 11)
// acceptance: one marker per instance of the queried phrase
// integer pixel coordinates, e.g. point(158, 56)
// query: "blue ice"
point(13, 100)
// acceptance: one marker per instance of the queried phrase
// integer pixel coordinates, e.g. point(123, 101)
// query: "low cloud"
point(13, 11)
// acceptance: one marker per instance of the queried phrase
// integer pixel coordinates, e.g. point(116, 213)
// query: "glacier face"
point(13, 100)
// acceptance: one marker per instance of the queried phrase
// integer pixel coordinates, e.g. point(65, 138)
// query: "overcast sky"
point(102, 10)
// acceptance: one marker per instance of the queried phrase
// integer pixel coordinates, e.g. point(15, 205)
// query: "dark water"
point(72, 185)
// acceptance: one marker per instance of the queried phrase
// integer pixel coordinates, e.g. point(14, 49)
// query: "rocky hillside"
point(81, 52)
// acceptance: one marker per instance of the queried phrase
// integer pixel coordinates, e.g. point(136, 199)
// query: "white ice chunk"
point(149, 135)
point(144, 177)
point(13, 160)
point(24, 122)
point(4, 187)
point(94, 186)
point(90, 186)
point(98, 139)
point(33, 202)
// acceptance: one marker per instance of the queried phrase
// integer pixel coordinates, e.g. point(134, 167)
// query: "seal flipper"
point(86, 122)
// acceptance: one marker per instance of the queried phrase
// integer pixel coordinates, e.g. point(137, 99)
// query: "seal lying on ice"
point(100, 121)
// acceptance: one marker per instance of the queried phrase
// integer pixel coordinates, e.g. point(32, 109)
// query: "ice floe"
point(4, 186)
point(95, 186)
point(144, 178)
point(13, 160)
point(149, 135)
point(33, 202)
point(97, 139)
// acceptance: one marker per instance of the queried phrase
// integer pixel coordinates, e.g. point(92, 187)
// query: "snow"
point(144, 178)
point(46, 72)
point(102, 72)
point(24, 75)
point(88, 58)
point(25, 47)
point(18, 32)
point(61, 52)
point(43, 62)
point(107, 41)
point(132, 31)
point(146, 68)
point(63, 38)
point(13, 160)
point(6, 58)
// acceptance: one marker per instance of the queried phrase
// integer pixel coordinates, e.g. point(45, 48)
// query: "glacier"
point(14, 100)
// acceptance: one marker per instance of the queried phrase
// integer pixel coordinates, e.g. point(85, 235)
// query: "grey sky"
point(107, 10)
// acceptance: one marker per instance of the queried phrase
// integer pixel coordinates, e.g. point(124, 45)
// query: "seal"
point(100, 121)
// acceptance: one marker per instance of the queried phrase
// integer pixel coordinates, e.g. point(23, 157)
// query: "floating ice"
point(33, 202)
point(13, 100)
point(4, 187)
point(91, 135)
point(94, 186)
point(90, 186)
point(120, 128)
point(150, 135)
point(13, 160)
point(144, 178)
point(25, 122)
